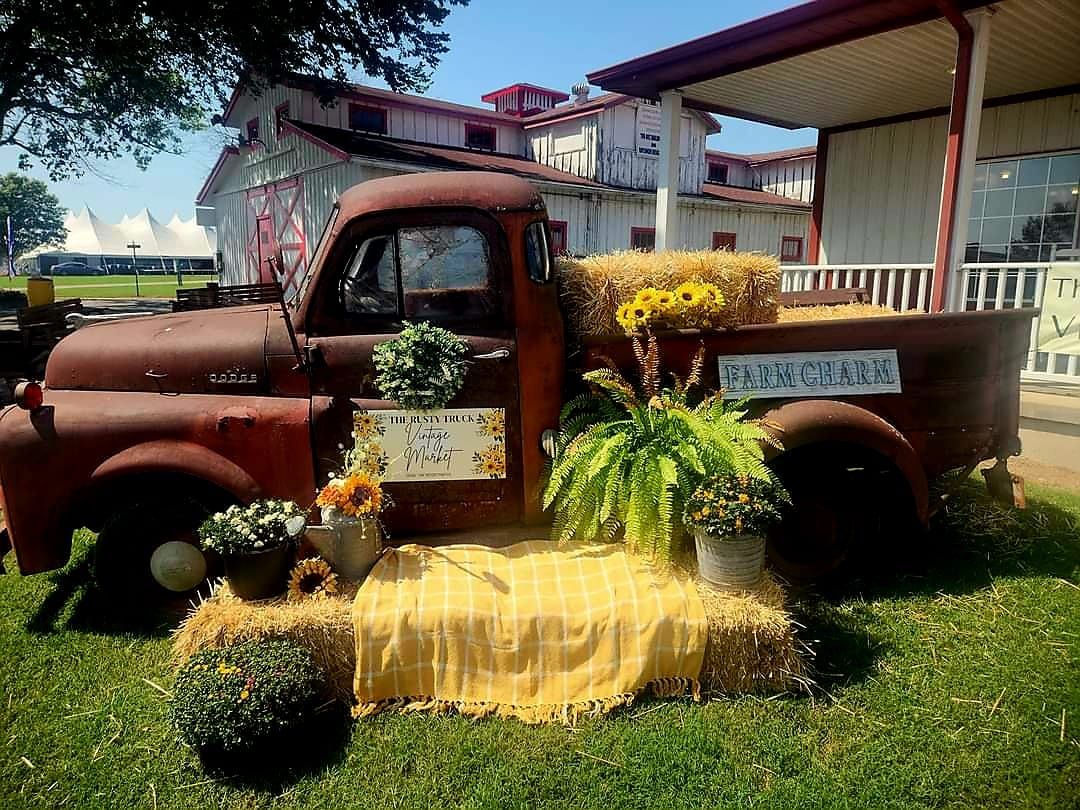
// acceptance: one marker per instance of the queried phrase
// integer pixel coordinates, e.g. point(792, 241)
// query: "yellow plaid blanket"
point(534, 631)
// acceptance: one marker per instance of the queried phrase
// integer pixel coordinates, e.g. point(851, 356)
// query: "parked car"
point(225, 405)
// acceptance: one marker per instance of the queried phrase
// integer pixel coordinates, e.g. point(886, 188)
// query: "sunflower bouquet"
point(691, 305)
point(357, 495)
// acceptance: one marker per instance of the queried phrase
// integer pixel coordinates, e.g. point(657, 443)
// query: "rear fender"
point(186, 458)
point(811, 421)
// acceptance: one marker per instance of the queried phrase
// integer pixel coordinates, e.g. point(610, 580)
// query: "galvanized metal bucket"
point(730, 563)
point(351, 545)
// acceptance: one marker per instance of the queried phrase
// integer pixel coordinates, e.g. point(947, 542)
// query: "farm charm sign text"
point(870, 371)
point(453, 444)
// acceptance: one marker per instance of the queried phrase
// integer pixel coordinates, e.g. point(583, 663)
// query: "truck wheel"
point(847, 505)
point(149, 552)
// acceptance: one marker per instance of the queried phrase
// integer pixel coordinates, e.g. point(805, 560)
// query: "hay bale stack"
point(752, 646)
point(593, 288)
point(324, 627)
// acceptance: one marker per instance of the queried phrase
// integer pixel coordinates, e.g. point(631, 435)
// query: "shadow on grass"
point(973, 541)
point(305, 752)
point(77, 603)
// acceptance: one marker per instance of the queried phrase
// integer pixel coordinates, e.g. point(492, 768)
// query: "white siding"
point(598, 222)
point(569, 146)
point(883, 184)
point(604, 153)
point(739, 174)
point(788, 178)
point(403, 120)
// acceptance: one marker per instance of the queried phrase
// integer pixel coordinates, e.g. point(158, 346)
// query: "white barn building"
point(593, 159)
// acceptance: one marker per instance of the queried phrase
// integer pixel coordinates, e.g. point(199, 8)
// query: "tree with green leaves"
point(85, 80)
point(37, 218)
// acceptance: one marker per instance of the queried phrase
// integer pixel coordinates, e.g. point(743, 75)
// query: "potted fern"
point(629, 456)
point(729, 517)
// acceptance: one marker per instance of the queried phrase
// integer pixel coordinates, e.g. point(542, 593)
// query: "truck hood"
point(213, 351)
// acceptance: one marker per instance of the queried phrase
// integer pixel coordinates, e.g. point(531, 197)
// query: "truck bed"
point(959, 373)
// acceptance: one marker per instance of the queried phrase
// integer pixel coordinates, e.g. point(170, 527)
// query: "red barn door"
point(276, 223)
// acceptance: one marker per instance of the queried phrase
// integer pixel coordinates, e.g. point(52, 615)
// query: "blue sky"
point(493, 44)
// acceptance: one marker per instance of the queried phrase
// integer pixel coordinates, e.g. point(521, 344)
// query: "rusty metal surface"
point(83, 441)
point(209, 351)
point(487, 191)
point(960, 374)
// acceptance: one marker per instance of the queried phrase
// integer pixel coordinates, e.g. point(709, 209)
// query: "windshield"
point(316, 257)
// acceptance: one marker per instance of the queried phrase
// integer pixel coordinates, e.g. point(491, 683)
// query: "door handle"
point(157, 375)
point(500, 353)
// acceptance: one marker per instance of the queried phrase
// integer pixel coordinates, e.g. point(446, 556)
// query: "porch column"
point(817, 213)
point(667, 171)
point(973, 45)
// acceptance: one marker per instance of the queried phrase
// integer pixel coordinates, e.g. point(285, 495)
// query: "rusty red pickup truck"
point(144, 425)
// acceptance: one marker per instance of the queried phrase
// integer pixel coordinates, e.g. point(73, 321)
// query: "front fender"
point(810, 421)
point(187, 458)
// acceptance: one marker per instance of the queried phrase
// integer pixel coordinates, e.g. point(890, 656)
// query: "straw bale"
point(593, 288)
point(838, 312)
point(323, 626)
point(752, 647)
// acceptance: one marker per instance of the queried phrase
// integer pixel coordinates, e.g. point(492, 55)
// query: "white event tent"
point(99, 244)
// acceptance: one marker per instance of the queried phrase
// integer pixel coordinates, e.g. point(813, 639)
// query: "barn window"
point(480, 137)
point(281, 112)
point(791, 249)
point(558, 236)
point(367, 119)
point(723, 240)
point(718, 172)
point(643, 239)
point(252, 129)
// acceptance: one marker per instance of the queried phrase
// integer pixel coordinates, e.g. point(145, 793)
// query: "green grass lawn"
point(156, 286)
point(942, 687)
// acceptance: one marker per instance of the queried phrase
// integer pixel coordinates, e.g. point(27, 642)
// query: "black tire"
point(129, 538)
point(848, 507)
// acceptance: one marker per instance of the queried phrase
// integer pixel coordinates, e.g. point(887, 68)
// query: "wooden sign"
point(802, 374)
point(454, 444)
point(648, 128)
point(1059, 323)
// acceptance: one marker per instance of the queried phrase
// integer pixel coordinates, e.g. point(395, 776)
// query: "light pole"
point(135, 264)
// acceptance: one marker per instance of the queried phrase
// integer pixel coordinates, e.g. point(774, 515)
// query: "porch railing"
point(981, 285)
point(900, 286)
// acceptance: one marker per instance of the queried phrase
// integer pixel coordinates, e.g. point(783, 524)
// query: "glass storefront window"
point(1022, 209)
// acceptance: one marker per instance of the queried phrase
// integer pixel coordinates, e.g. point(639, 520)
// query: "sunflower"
point(646, 295)
point(688, 294)
point(493, 424)
point(312, 579)
point(491, 461)
point(358, 494)
point(365, 425)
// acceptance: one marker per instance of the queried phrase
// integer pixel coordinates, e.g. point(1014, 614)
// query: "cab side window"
point(434, 272)
point(369, 285)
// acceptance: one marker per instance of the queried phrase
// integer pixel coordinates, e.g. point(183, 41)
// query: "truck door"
point(455, 468)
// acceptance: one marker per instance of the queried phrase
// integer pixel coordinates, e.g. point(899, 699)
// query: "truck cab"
point(148, 424)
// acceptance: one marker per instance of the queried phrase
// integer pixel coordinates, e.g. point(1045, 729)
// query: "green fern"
point(628, 456)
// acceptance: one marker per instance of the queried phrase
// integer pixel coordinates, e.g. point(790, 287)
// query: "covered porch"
point(948, 154)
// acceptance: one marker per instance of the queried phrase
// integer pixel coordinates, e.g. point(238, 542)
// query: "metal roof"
point(834, 62)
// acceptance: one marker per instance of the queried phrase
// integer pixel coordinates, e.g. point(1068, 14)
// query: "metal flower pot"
point(730, 563)
point(260, 575)
point(351, 545)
